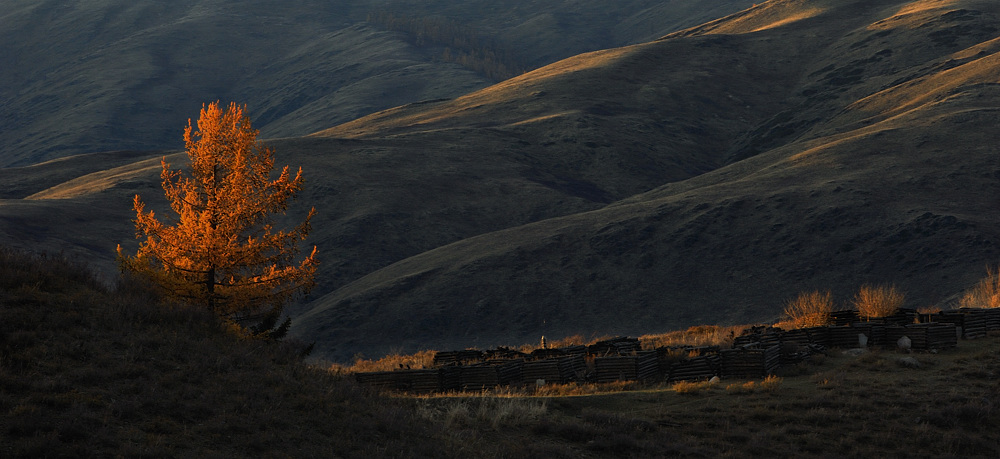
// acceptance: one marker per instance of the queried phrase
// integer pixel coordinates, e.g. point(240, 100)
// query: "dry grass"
point(771, 383)
point(701, 335)
point(873, 301)
point(692, 387)
point(810, 309)
point(483, 410)
point(93, 370)
point(417, 361)
point(986, 294)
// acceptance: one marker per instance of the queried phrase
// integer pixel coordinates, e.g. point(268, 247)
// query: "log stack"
point(415, 381)
point(845, 336)
point(750, 361)
point(934, 335)
point(466, 357)
point(804, 336)
point(992, 318)
point(973, 325)
point(765, 336)
point(902, 317)
point(844, 317)
point(695, 368)
point(640, 367)
point(874, 331)
point(503, 353)
point(621, 345)
point(491, 374)
point(558, 370)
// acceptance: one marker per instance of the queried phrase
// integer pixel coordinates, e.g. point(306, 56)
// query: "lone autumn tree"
point(221, 250)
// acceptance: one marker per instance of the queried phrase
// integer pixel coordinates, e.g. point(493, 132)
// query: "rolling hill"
point(703, 177)
point(116, 74)
point(868, 155)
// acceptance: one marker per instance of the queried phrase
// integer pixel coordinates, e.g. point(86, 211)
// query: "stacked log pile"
point(972, 324)
point(992, 318)
point(874, 332)
point(767, 336)
point(757, 353)
point(615, 346)
point(695, 368)
point(558, 370)
point(844, 336)
point(468, 356)
point(416, 381)
point(925, 336)
point(451, 378)
point(503, 353)
point(902, 317)
point(750, 361)
point(844, 317)
point(640, 367)
point(492, 374)
point(804, 336)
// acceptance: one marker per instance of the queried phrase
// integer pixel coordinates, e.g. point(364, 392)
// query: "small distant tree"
point(222, 250)
point(986, 294)
point(811, 309)
point(876, 301)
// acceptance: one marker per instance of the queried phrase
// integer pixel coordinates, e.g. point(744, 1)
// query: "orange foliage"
point(222, 250)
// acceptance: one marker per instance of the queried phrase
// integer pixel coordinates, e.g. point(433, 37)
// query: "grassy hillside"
point(870, 157)
point(702, 178)
point(88, 370)
point(113, 74)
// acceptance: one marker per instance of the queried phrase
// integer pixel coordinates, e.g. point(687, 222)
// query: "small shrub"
point(769, 384)
point(810, 309)
point(873, 302)
point(986, 294)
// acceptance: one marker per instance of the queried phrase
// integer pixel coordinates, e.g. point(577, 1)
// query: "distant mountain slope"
point(704, 177)
point(111, 75)
point(879, 164)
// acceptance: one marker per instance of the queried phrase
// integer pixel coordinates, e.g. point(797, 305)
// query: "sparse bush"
point(769, 384)
point(810, 309)
point(873, 302)
point(986, 294)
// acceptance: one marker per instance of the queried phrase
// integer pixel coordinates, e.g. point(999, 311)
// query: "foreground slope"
point(879, 164)
point(89, 371)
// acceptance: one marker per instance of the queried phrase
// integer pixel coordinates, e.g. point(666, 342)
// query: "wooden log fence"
point(934, 335)
point(558, 370)
point(640, 367)
point(750, 361)
point(757, 353)
point(971, 323)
